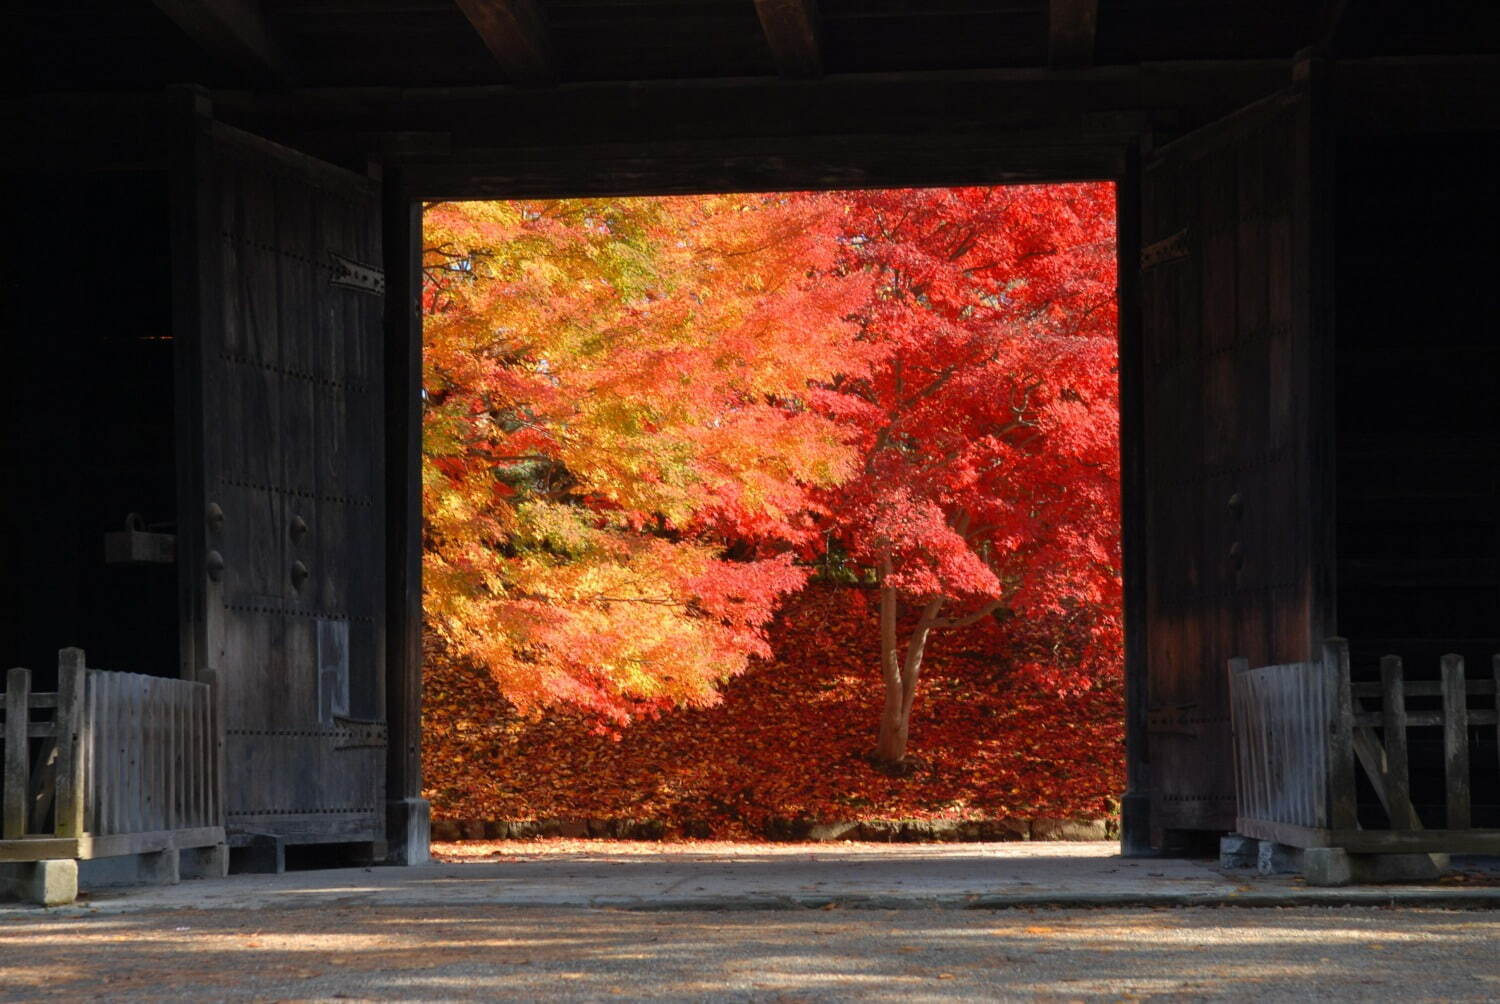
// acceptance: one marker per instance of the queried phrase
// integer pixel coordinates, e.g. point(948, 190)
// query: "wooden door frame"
point(406, 185)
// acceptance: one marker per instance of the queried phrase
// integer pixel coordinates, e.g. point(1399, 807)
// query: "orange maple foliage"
point(611, 386)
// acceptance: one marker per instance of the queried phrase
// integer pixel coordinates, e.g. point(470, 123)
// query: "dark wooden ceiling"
point(478, 98)
point(115, 44)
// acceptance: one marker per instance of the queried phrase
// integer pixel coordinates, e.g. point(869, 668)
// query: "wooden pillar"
point(406, 811)
point(1135, 808)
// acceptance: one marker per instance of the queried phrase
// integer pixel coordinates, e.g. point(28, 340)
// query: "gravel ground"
point(343, 950)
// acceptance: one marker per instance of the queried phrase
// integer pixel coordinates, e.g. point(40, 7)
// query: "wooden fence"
point(111, 763)
point(1300, 729)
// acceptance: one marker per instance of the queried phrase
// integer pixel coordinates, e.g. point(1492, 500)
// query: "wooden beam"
point(791, 28)
point(235, 31)
point(515, 32)
point(1174, 96)
point(834, 162)
point(1071, 26)
point(407, 813)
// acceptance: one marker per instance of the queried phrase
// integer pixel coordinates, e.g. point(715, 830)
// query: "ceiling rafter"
point(791, 29)
point(515, 32)
point(234, 31)
point(1071, 28)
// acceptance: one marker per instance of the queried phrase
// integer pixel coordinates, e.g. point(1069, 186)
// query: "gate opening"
point(752, 514)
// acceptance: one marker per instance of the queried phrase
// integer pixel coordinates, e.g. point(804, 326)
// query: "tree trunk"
point(899, 675)
point(895, 719)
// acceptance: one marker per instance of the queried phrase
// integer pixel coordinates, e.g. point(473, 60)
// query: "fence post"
point(1393, 723)
point(1456, 741)
point(1342, 809)
point(70, 691)
point(17, 762)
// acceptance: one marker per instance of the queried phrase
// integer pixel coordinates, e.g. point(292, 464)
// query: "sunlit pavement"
point(754, 922)
point(726, 876)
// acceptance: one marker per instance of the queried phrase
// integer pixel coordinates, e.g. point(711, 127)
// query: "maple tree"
point(615, 394)
point(640, 410)
point(988, 427)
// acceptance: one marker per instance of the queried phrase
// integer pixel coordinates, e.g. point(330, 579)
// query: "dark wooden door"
point(280, 393)
point(1235, 436)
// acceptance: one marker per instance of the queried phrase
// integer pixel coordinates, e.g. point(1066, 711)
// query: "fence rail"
point(1302, 730)
point(111, 763)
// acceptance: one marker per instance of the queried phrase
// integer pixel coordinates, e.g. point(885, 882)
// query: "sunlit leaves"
point(615, 394)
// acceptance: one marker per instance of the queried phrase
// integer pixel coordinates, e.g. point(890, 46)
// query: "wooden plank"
point(88, 804)
point(1342, 809)
point(72, 686)
point(1397, 774)
point(201, 766)
point(108, 755)
point(1422, 719)
point(1456, 742)
point(146, 842)
point(1283, 833)
point(312, 828)
point(213, 741)
point(155, 755)
point(1417, 841)
point(515, 32)
point(43, 785)
point(171, 804)
point(17, 761)
point(1071, 28)
point(235, 31)
point(791, 30)
point(38, 849)
point(1428, 688)
point(1375, 841)
point(134, 790)
point(1243, 776)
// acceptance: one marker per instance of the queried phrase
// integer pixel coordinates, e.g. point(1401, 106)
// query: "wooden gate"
point(109, 764)
point(1304, 731)
point(282, 548)
point(1235, 558)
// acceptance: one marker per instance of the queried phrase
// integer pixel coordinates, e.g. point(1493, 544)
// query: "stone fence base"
point(905, 831)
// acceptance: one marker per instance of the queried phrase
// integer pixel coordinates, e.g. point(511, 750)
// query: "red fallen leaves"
point(790, 739)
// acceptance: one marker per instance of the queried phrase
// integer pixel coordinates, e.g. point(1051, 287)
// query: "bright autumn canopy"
point(649, 420)
point(615, 390)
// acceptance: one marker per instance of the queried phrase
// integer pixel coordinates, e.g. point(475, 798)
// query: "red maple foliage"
point(788, 742)
point(988, 428)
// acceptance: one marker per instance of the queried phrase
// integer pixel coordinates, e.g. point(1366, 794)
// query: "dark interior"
point(86, 432)
point(1418, 458)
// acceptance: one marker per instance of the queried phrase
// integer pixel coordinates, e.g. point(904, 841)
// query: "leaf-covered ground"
point(789, 740)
